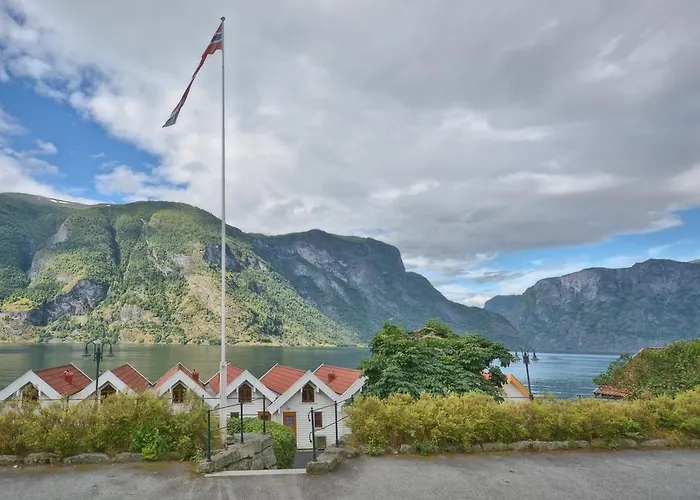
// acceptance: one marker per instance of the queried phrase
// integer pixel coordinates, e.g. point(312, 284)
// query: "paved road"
point(639, 475)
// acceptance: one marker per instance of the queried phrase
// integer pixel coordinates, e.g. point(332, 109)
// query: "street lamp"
point(526, 360)
point(97, 353)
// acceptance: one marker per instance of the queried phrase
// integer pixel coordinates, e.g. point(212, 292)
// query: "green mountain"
point(149, 272)
point(651, 303)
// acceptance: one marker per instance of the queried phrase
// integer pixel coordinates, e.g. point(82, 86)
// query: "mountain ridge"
point(650, 303)
point(148, 272)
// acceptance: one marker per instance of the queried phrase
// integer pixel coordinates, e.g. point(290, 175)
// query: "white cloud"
point(451, 138)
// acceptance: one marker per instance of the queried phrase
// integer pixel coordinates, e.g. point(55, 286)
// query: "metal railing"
point(264, 415)
point(311, 416)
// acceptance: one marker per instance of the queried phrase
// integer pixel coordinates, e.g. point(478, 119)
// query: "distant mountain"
point(649, 304)
point(149, 272)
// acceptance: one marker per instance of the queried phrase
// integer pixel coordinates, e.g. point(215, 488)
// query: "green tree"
point(434, 360)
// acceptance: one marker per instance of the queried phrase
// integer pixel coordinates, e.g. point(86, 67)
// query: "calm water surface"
point(564, 375)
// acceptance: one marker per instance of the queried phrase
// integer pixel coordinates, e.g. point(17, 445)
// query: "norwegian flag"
point(217, 43)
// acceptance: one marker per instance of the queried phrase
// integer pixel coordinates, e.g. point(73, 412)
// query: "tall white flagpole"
point(222, 366)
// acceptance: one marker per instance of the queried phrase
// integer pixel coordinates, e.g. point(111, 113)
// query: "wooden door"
point(289, 419)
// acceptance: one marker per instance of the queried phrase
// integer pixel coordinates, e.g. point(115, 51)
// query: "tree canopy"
point(656, 372)
point(434, 360)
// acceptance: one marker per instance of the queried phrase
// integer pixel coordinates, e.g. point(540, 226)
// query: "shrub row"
point(121, 423)
point(433, 423)
point(285, 443)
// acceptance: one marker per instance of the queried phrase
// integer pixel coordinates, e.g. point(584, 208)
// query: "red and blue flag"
point(216, 43)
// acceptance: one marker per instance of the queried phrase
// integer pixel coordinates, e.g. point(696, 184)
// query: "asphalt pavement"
point(638, 475)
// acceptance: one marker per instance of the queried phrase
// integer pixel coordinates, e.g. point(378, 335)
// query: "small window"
point(179, 393)
point(318, 419)
point(233, 415)
point(30, 393)
point(320, 442)
point(107, 391)
point(264, 415)
point(245, 394)
point(307, 394)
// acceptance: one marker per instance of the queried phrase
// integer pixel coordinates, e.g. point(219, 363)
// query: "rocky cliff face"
point(651, 303)
point(149, 272)
point(362, 282)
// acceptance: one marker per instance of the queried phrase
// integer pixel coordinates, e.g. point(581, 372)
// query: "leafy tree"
point(434, 360)
point(656, 372)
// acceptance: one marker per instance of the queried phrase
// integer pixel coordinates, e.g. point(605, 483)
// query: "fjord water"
point(563, 375)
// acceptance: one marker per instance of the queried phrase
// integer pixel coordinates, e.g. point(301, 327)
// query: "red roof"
point(337, 378)
point(65, 379)
point(177, 368)
point(280, 378)
point(607, 390)
point(131, 377)
point(231, 373)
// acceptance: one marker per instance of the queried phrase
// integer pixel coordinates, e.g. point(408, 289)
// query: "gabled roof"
point(279, 378)
point(132, 377)
point(307, 377)
point(607, 390)
point(179, 373)
point(65, 380)
point(513, 381)
point(29, 378)
point(249, 378)
point(231, 373)
point(173, 371)
point(337, 378)
point(105, 378)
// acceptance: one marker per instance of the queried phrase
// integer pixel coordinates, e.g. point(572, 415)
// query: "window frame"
point(25, 393)
point(181, 390)
point(109, 393)
point(305, 391)
point(249, 396)
point(318, 419)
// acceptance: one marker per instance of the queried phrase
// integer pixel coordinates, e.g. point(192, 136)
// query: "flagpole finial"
point(223, 19)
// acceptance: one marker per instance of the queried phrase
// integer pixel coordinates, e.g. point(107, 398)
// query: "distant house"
point(47, 385)
point(125, 379)
point(299, 391)
point(513, 390)
point(242, 387)
point(346, 383)
point(177, 382)
point(610, 392)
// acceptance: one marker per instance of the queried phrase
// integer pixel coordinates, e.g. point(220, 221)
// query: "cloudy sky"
point(494, 143)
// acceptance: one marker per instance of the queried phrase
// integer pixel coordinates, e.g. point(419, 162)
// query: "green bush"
point(285, 443)
point(121, 423)
point(433, 423)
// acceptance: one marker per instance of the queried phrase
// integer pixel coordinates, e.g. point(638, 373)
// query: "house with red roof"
point(299, 391)
point(242, 387)
point(177, 382)
point(50, 384)
point(346, 383)
point(125, 379)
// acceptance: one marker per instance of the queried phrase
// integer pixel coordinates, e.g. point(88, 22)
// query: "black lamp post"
point(97, 353)
point(526, 360)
